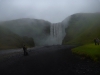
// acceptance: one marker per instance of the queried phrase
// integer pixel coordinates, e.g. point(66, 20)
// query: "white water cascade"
point(56, 33)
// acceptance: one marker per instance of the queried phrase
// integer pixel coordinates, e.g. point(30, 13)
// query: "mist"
point(51, 10)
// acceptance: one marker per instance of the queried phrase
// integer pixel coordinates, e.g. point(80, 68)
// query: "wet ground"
point(48, 60)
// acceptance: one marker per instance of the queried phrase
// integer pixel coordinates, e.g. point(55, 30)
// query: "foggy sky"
point(50, 10)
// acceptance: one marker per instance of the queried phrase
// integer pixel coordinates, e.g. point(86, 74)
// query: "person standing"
point(95, 41)
point(98, 41)
point(25, 50)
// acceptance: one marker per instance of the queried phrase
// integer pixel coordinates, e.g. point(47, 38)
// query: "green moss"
point(82, 29)
point(89, 50)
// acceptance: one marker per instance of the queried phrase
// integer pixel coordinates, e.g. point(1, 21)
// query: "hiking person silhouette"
point(25, 50)
point(96, 41)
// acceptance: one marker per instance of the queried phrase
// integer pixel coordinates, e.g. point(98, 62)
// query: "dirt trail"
point(48, 60)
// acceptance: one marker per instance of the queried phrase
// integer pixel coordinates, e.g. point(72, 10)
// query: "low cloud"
point(50, 10)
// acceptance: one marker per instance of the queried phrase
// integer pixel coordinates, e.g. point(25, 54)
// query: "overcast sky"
point(50, 10)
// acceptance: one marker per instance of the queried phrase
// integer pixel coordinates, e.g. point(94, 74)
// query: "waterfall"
point(56, 33)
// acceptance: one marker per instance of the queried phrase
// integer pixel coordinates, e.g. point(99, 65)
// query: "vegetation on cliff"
point(82, 28)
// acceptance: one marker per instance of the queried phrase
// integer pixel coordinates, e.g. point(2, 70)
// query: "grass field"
point(90, 50)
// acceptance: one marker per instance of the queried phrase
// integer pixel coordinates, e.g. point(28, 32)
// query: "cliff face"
point(82, 28)
point(79, 28)
point(39, 30)
point(9, 40)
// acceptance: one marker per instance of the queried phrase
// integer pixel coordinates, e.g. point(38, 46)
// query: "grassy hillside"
point(82, 28)
point(39, 30)
point(90, 50)
point(10, 40)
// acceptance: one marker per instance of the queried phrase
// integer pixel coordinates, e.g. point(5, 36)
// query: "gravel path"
point(48, 60)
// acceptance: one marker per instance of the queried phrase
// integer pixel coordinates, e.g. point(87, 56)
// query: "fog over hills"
point(46, 33)
point(43, 32)
point(53, 11)
point(82, 28)
point(9, 39)
point(45, 21)
point(39, 30)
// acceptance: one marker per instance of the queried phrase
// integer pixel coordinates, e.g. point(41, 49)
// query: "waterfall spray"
point(56, 32)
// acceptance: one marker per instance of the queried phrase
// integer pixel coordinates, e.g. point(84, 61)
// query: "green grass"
point(11, 40)
point(82, 29)
point(90, 50)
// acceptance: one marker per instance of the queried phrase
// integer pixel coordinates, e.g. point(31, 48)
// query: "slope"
point(10, 40)
point(39, 30)
point(82, 28)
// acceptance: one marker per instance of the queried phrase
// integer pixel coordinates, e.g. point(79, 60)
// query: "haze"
point(50, 10)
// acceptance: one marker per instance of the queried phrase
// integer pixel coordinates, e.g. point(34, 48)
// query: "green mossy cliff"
point(10, 40)
point(82, 28)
